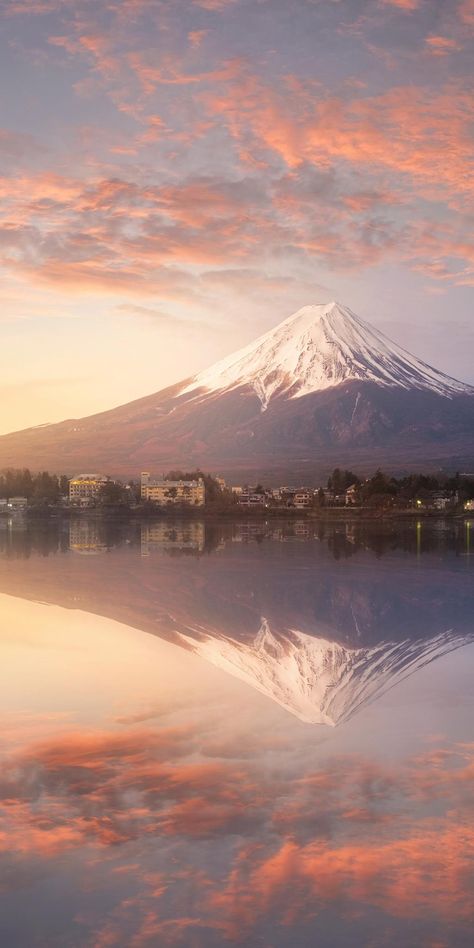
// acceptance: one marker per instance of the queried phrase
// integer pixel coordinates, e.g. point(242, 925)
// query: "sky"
point(178, 176)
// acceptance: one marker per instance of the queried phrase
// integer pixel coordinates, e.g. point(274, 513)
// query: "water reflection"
point(310, 851)
point(160, 795)
point(190, 535)
point(297, 611)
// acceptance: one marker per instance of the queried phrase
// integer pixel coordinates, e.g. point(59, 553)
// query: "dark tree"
point(339, 481)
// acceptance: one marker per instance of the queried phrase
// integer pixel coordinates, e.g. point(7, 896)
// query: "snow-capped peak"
point(319, 681)
point(318, 347)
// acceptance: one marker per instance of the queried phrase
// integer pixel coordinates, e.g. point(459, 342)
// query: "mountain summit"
point(316, 348)
point(323, 388)
point(319, 681)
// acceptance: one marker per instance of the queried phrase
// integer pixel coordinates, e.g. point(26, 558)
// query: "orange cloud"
point(402, 4)
point(45, 186)
point(353, 834)
point(466, 12)
point(405, 131)
point(429, 870)
point(441, 45)
point(216, 6)
point(112, 235)
point(97, 46)
point(326, 177)
point(61, 794)
point(151, 76)
point(168, 73)
point(31, 7)
point(196, 38)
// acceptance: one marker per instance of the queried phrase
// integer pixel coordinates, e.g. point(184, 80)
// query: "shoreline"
point(330, 514)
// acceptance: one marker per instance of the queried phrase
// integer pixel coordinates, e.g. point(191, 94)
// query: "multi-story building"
point(85, 488)
point(249, 498)
point(303, 498)
point(166, 493)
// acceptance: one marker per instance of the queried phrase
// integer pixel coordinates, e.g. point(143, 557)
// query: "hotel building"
point(85, 488)
point(167, 493)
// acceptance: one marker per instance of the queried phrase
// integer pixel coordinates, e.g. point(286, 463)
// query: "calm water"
point(242, 735)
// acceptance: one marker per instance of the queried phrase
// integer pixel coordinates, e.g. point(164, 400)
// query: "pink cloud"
point(405, 130)
point(353, 832)
point(428, 870)
point(466, 12)
point(196, 38)
point(441, 45)
point(215, 6)
point(408, 5)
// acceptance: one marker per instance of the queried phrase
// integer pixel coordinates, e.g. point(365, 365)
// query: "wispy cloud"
point(193, 138)
point(352, 830)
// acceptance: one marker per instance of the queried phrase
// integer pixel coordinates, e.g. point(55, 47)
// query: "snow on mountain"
point(366, 404)
point(319, 681)
point(319, 347)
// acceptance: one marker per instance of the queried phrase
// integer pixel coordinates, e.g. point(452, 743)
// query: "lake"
point(237, 734)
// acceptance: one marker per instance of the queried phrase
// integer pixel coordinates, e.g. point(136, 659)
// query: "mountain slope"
point(319, 681)
point(316, 348)
point(323, 388)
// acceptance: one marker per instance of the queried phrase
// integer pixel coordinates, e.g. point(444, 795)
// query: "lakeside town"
point(22, 492)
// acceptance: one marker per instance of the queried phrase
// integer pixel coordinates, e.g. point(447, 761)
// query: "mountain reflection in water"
point(175, 789)
point(296, 611)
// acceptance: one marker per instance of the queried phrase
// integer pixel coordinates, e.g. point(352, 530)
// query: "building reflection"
point(85, 537)
point(321, 621)
point(183, 535)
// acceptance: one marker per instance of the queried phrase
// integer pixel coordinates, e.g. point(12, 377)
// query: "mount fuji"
point(319, 681)
point(317, 348)
point(322, 388)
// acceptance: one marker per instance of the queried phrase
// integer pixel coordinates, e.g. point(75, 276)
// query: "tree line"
point(383, 488)
point(43, 486)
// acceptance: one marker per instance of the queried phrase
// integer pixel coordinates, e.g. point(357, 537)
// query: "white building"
point(303, 499)
point(13, 503)
point(249, 498)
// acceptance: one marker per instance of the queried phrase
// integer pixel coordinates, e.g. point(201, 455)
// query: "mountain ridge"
point(320, 346)
point(322, 389)
point(317, 680)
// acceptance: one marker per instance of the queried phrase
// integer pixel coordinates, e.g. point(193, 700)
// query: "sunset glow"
point(179, 176)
